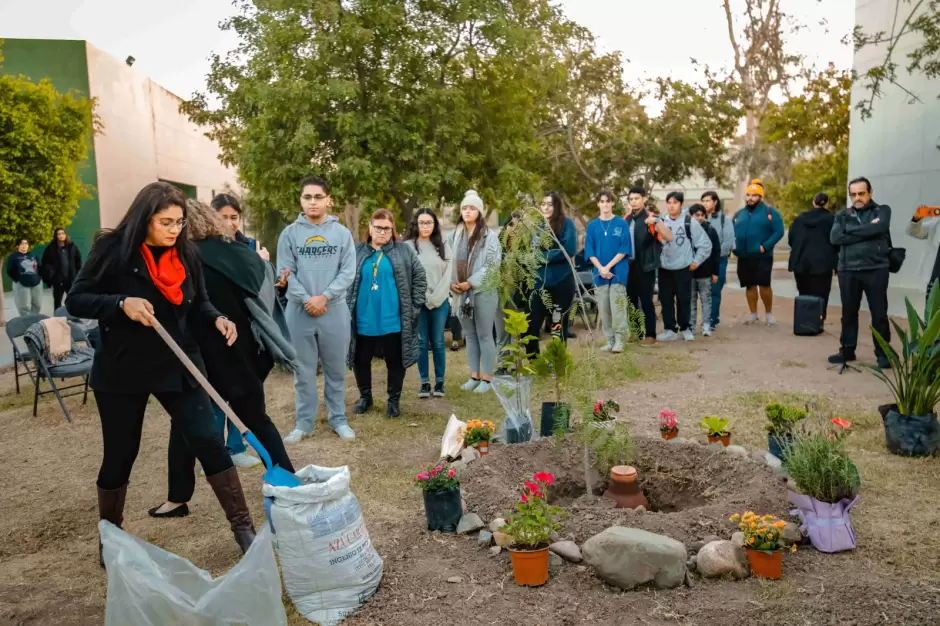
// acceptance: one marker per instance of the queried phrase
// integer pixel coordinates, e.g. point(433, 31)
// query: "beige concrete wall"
point(146, 138)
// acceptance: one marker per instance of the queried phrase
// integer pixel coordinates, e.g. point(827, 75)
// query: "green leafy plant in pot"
point(514, 390)
point(556, 364)
point(781, 420)
point(911, 427)
point(442, 505)
point(716, 429)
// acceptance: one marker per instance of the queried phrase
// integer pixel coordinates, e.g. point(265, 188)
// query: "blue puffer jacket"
point(753, 228)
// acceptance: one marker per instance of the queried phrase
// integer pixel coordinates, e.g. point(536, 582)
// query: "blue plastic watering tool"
point(274, 474)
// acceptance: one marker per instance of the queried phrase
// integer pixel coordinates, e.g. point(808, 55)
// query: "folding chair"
point(46, 370)
point(16, 328)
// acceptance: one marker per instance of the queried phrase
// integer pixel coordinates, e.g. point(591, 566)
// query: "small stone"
point(496, 524)
point(716, 447)
point(738, 539)
point(690, 564)
point(760, 456)
point(693, 442)
point(738, 451)
point(567, 550)
point(640, 509)
point(555, 561)
point(792, 534)
point(455, 579)
point(495, 550)
point(464, 508)
point(459, 466)
point(772, 461)
point(469, 455)
point(485, 538)
point(719, 558)
point(469, 523)
point(677, 441)
point(502, 539)
point(689, 579)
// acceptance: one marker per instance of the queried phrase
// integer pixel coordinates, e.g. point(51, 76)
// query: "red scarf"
point(168, 273)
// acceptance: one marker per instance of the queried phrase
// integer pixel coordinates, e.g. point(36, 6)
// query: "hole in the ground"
point(666, 494)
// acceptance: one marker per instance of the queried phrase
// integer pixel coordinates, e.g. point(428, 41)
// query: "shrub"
point(782, 418)
point(820, 465)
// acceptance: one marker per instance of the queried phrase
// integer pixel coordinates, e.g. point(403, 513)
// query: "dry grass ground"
point(48, 539)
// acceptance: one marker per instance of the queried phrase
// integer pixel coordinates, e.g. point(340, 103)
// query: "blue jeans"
point(233, 443)
point(431, 325)
point(716, 290)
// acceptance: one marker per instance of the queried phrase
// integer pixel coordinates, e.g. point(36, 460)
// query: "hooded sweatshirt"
point(321, 259)
point(724, 226)
point(23, 269)
point(678, 253)
point(811, 251)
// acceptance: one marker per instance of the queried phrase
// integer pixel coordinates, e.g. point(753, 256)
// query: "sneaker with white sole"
point(751, 319)
point(688, 335)
point(706, 331)
point(483, 387)
point(425, 391)
point(606, 347)
point(345, 433)
point(243, 459)
point(617, 348)
point(295, 436)
point(470, 385)
point(771, 320)
point(667, 335)
point(439, 389)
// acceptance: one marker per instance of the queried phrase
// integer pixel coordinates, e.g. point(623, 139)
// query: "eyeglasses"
point(382, 229)
point(426, 224)
point(170, 224)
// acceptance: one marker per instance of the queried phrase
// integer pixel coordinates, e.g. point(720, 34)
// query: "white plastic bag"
point(450, 445)
point(330, 567)
point(148, 586)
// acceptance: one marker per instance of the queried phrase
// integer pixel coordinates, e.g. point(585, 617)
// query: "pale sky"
point(172, 39)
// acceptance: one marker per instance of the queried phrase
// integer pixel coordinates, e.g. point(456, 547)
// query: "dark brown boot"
point(228, 489)
point(111, 508)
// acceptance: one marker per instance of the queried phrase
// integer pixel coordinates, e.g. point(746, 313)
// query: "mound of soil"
point(691, 490)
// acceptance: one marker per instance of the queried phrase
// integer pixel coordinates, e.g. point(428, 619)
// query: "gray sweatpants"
point(612, 304)
point(326, 339)
point(28, 300)
point(702, 289)
point(481, 346)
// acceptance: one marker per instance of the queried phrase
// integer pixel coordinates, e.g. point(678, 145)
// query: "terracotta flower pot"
point(530, 567)
point(669, 434)
point(624, 489)
point(483, 447)
point(766, 564)
point(725, 439)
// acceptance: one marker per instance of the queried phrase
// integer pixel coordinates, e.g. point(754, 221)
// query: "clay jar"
point(624, 488)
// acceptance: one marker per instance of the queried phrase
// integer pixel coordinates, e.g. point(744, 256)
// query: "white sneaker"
point(771, 320)
point(688, 335)
point(706, 331)
point(752, 318)
point(345, 433)
point(606, 347)
point(470, 385)
point(667, 335)
point(243, 459)
point(617, 348)
point(295, 436)
point(483, 387)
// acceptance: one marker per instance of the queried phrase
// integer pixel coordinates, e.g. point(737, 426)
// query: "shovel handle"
point(200, 378)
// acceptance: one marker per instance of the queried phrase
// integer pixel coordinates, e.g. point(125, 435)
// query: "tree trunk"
point(352, 213)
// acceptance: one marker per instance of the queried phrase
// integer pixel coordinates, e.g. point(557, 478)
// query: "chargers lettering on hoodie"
point(312, 247)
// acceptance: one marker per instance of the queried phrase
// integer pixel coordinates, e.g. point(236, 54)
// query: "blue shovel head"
point(274, 474)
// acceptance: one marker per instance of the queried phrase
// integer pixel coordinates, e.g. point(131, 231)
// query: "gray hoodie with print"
point(678, 253)
point(321, 259)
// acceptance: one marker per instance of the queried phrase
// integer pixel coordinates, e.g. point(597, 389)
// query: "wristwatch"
point(121, 303)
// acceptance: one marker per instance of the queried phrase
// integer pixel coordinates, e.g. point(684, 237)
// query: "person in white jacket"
point(921, 227)
point(424, 233)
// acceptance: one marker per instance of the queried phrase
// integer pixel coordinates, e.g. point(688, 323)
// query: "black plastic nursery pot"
point(910, 435)
point(443, 509)
point(554, 418)
point(777, 445)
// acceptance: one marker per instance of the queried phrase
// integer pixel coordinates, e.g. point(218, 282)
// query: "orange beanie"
point(755, 188)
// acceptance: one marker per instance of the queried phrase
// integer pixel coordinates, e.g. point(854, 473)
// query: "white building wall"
point(897, 147)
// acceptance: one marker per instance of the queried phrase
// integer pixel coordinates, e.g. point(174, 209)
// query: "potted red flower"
point(442, 505)
point(531, 528)
point(668, 424)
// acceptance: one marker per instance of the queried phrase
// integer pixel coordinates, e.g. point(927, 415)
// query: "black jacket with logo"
point(864, 243)
point(811, 251)
point(647, 247)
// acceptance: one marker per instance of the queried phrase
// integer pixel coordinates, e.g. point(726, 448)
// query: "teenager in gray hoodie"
point(683, 251)
point(319, 254)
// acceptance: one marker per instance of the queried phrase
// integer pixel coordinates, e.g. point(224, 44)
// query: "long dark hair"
point(821, 200)
point(222, 200)
point(436, 238)
point(479, 228)
point(131, 233)
point(714, 196)
point(55, 237)
point(557, 220)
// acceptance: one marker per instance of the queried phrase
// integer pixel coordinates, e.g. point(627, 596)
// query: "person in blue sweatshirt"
point(608, 247)
point(556, 275)
point(757, 229)
point(319, 256)
point(23, 270)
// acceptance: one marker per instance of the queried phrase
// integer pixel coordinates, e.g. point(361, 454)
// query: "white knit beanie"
point(472, 198)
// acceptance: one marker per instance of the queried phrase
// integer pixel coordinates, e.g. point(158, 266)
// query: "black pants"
point(453, 323)
point(675, 296)
point(874, 284)
point(122, 418)
point(562, 296)
point(58, 292)
point(818, 285)
point(389, 346)
point(250, 409)
point(640, 292)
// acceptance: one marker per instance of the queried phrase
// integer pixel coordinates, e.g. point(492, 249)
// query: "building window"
point(189, 190)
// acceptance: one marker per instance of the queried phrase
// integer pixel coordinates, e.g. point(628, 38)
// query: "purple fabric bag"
point(828, 525)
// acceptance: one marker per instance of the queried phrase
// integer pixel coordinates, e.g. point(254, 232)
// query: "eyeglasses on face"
point(382, 229)
point(171, 224)
point(426, 223)
point(317, 197)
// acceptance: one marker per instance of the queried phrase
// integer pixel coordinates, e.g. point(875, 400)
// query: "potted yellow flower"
point(763, 540)
point(477, 434)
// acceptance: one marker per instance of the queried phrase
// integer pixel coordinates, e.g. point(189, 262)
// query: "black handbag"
point(896, 257)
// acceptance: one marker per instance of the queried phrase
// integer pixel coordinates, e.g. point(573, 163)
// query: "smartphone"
point(926, 211)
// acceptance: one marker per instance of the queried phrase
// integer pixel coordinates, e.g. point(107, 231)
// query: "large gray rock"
point(469, 455)
point(628, 557)
point(568, 550)
point(792, 534)
point(719, 558)
point(469, 523)
point(738, 539)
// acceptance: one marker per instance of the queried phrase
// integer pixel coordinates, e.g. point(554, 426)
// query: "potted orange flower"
point(531, 528)
point(477, 434)
point(763, 540)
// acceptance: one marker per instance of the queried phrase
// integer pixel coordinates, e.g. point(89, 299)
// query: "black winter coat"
point(863, 243)
point(52, 270)
point(710, 267)
point(811, 250)
point(131, 357)
point(648, 249)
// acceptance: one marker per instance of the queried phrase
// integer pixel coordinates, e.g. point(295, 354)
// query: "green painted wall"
point(189, 190)
point(65, 63)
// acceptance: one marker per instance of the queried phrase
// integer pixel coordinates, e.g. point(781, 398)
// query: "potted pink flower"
point(531, 528)
point(668, 424)
point(442, 505)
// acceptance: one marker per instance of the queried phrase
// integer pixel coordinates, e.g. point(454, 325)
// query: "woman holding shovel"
point(143, 273)
point(241, 285)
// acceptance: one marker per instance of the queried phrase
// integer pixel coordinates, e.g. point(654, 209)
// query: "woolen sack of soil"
point(329, 565)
